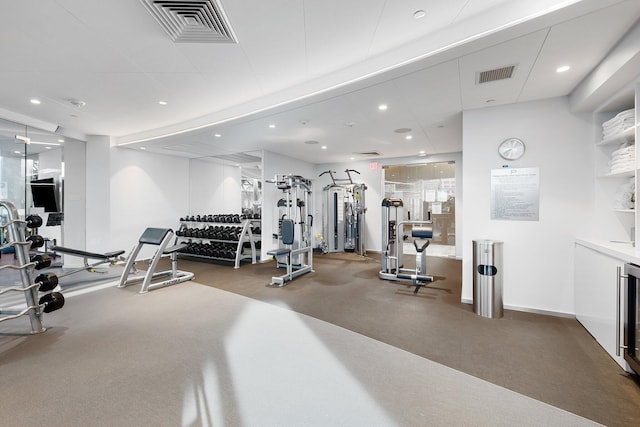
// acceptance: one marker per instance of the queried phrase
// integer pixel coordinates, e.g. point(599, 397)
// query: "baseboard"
point(530, 310)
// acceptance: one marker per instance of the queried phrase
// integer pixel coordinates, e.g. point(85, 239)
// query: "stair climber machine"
point(295, 252)
point(393, 235)
point(343, 219)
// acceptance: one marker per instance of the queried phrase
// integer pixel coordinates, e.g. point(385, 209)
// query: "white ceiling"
point(316, 69)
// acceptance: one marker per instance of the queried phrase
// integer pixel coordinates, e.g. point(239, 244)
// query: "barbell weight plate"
point(33, 221)
point(52, 302)
point(48, 282)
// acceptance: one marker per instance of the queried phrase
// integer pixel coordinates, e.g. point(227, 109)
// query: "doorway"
point(428, 192)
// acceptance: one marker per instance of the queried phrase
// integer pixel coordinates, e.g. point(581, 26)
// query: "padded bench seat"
point(85, 254)
point(278, 252)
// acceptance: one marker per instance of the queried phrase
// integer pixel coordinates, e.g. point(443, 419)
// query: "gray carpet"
point(192, 355)
point(552, 359)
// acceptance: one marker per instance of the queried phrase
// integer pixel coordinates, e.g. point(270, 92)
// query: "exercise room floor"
point(553, 360)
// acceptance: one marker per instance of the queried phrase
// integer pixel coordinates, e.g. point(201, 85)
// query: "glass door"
point(428, 193)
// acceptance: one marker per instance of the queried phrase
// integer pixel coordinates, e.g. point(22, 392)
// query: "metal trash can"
point(487, 278)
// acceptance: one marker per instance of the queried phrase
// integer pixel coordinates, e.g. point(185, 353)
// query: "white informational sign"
point(515, 194)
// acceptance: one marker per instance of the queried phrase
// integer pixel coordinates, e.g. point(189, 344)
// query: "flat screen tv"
point(43, 192)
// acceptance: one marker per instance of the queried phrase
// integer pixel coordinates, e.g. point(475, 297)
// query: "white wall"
point(98, 194)
point(214, 188)
point(276, 164)
point(147, 190)
point(538, 256)
point(75, 190)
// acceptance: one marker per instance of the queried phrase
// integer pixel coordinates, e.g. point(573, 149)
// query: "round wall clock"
point(511, 149)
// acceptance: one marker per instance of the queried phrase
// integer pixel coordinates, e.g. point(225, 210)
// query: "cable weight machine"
point(343, 219)
point(294, 252)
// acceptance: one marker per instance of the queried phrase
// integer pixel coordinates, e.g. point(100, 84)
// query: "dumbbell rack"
point(245, 235)
point(35, 308)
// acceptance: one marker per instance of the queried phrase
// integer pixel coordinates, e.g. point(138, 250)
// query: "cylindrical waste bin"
point(487, 278)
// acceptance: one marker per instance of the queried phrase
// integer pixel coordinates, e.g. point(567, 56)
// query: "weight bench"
point(287, 229)
point(158, 237)
point(106, 258)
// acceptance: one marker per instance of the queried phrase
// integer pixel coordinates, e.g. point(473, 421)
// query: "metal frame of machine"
point(343, 219)
point(392, 240)
point(294, 228)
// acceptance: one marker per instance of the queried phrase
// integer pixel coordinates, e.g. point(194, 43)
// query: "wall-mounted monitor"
point(43, 192)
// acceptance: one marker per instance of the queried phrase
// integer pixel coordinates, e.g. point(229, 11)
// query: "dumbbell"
point(47, 282)
point(51, 302)
point(41, 261)
point(36, 241)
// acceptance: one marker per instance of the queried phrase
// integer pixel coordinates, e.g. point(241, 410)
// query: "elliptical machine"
point(392, 245)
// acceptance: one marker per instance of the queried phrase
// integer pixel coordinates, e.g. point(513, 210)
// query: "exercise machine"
point(159, 237)
point(294, 252)
point(110, 258)
point(393, 236)
point(26, 263)
point(343, 219)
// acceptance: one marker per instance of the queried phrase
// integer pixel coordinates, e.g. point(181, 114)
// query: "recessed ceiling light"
point(563, 69)
point(419, 14)
point(143, 148)
point(422, 151)
point(48, 148)
point(61, 140)
point(352, 158)
point(408, 137)
point(162, 102)
point(272, 126)
point(35, 101)
point(217, 135)
point(382, 107)
point(17, 152)
point(324, 147)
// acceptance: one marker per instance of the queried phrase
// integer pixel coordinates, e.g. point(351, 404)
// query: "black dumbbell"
point(48, 282)
point(51, 302)
point(41, 261)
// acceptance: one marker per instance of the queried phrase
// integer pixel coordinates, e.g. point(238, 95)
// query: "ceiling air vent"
point(239, 158)
point(369, 153)
point(495, 74)
point(192, 21)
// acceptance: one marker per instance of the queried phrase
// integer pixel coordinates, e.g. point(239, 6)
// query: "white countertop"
point(617, 249)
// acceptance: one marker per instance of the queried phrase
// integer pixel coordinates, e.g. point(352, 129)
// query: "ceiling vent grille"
point(239, 158)
point(369, 153)
point(495, 74)
point(192, 21)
